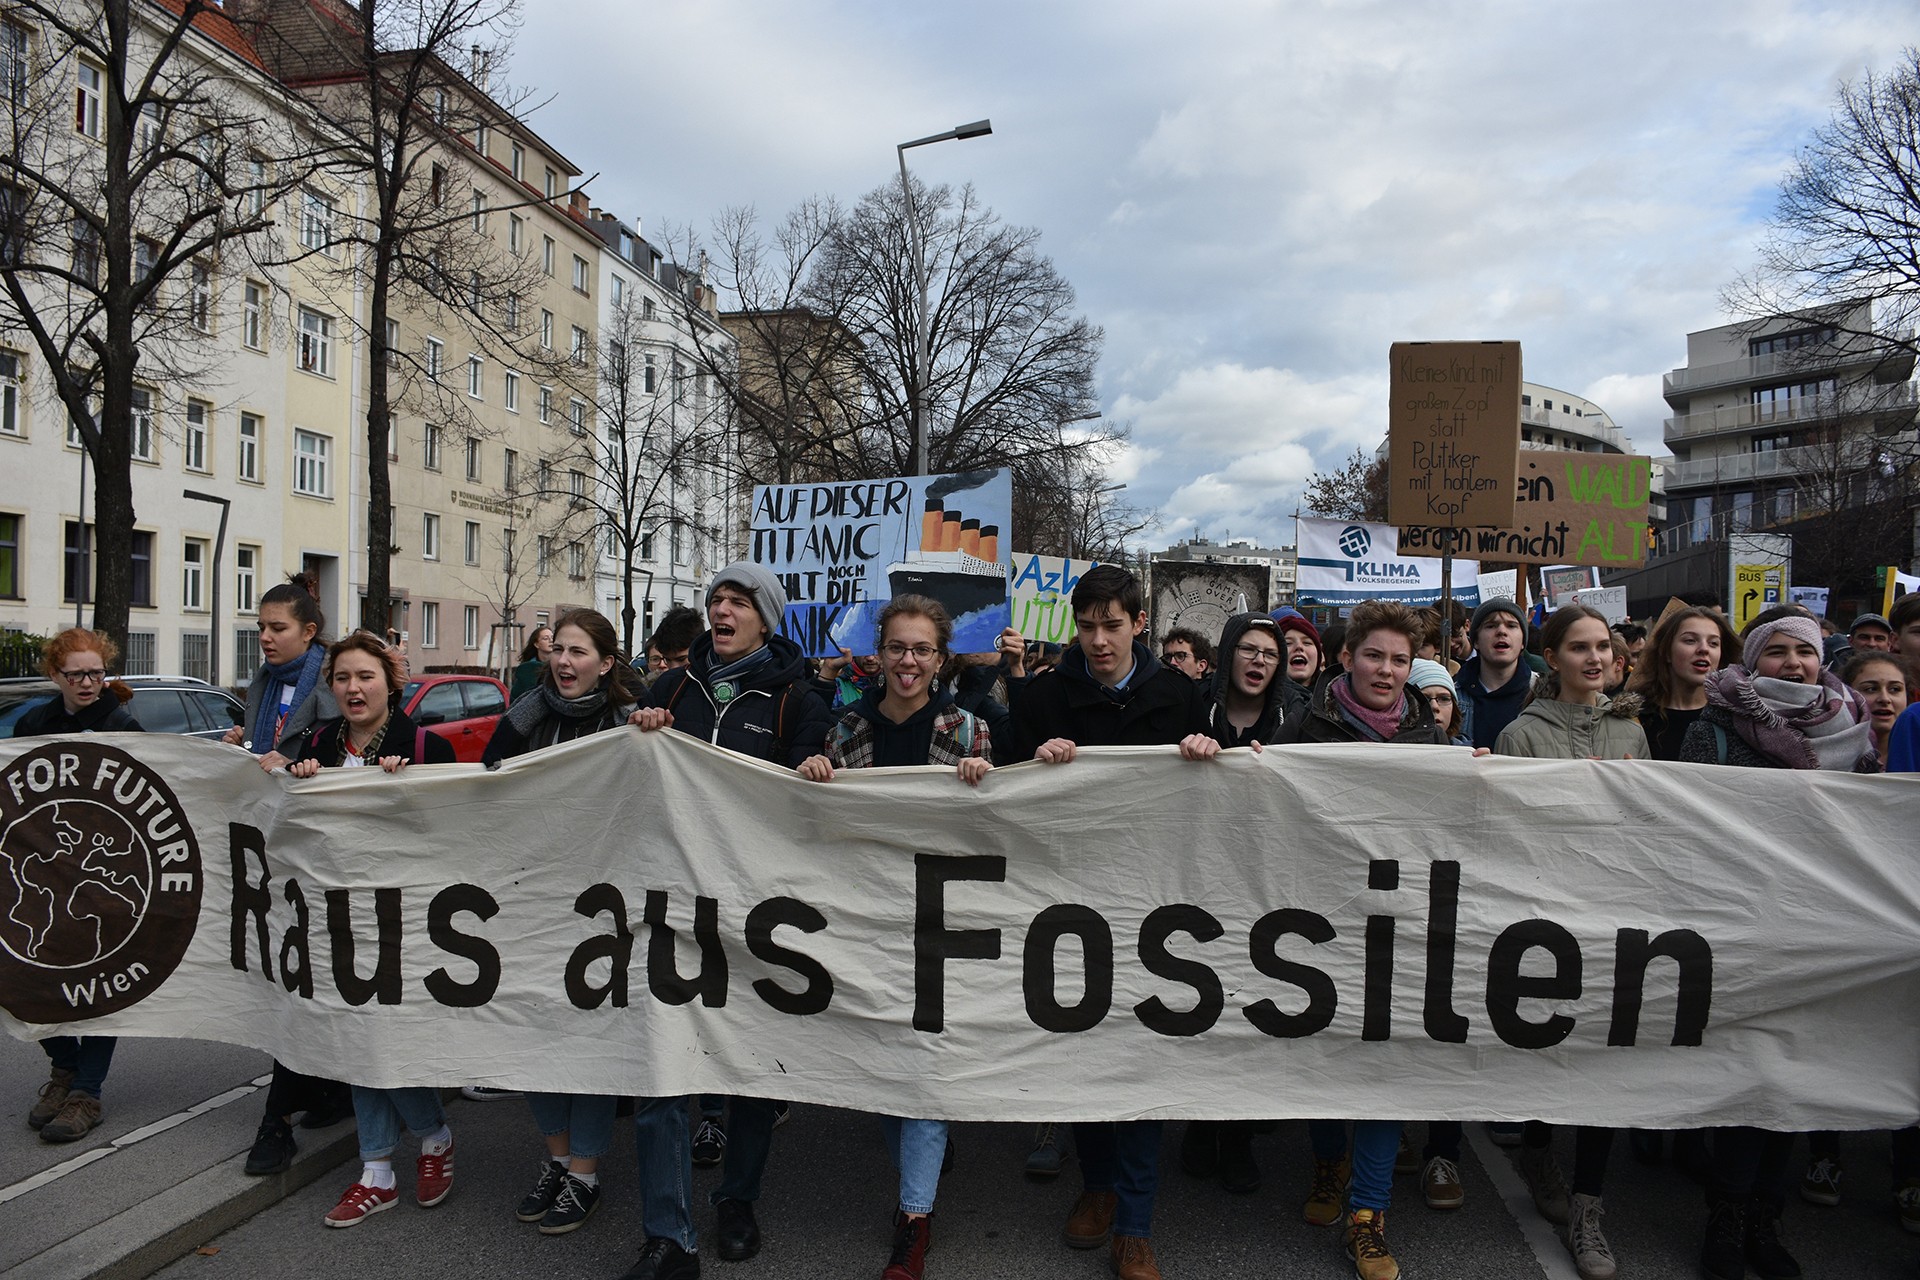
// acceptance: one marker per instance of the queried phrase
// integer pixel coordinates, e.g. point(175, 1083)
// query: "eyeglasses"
point(898, 651)
point(1254, 653)
point(1179, 657)
point(1437, 696)
point(669, 661)
point(96, 676)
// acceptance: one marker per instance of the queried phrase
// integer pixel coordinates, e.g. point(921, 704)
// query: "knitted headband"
point(1800, 628)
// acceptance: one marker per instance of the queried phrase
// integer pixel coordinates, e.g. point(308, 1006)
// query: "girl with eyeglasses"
point(909, 720)
point(79, 663)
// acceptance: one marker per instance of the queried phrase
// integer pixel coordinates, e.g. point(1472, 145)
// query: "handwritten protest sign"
point(1453, 433)
point(843, 550)
point(1041, 595)
point(1569, 508)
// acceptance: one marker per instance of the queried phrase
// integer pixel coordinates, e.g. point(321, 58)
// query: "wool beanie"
point(1295, 621)
point(1428, 674)
point(759, 582)
point(1798, 626)
point(1490, 607)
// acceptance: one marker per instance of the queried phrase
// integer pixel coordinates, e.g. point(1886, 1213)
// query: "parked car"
point(461, 709)
point(162, 704)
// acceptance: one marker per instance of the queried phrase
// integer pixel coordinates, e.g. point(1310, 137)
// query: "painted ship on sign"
point(956, 563)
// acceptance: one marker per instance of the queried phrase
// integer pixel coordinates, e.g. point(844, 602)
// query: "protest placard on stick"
point(1453, 433)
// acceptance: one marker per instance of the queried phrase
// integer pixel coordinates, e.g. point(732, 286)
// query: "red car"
point(461, 709)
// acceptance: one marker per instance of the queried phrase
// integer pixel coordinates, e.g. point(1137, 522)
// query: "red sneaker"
point(433, 1177)
point(359, 1203)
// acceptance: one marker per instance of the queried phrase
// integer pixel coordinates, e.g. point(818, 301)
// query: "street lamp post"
point(922, 325)
point(213, 619)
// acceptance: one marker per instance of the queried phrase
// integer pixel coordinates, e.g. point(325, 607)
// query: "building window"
point(646, 308)
point(253, 310)
point(479, 209)
point(1778, 342)
point(429, 625)
point(193, 575)
point(442, 107)
point(430, 448)
point(543, 556)
point(546, 404)
point(470, 542)
point(619, 290)
point(142, 425)
point(553, 184)
point(142, 592)
point(429, 536)
point(506, 550)
point(646, 545)
point(195, 650)
point(1771, 444)
point(579, 274)
point(316, 222)
point(509, 469)
point(77, 576)
point(546, 329)
point(140, 658)
point(89, 84)
point(470, 626)
point(246, 650)
point(9, 556)
point(577, 349)
point(200, 297)
point(249, 437)
point(13, 62)
point(10, 422)
point(1775, 400)
point(517, 162)
point(576, 487)
point(246, 577)
point(473, 292)
point(576, 561)
point(516, 233)
point(510, 394)
point(436, 356)
point(473, 459)
point(146, 253)
point(316, 342)
point(86, 252)
point(650, 376)
point(310, 450)
point(476, 377)
point(255, 171)
point(546, 254)
point(193, 440)
point(577, 416)
point(544, 484)
point(1782, 506)
point(513, 313)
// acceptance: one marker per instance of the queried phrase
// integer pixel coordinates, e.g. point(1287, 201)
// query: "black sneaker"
point(738, 1233)
point(1723, 1253)
point(571, 1208)
point(539, 1200)
point(1766, 1256)
point(330, 1110)
point(273, 1148)
point(709, 1142)
point(664, 1259)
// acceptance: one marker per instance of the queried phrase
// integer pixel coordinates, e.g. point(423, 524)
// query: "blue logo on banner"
point(1355, 541)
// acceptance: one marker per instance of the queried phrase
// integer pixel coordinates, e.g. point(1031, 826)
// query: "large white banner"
point(1315, 931)
point(1343, 562)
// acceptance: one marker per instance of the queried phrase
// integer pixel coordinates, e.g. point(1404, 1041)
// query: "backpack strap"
point(1720, 743)
point(780, 726)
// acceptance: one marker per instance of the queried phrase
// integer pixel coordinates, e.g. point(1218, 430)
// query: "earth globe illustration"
point(75, 880)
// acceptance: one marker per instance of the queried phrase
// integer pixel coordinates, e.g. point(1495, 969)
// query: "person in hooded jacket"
point(1774, 709)
point(80, 663)
point(1568, 716)
point(746, 688)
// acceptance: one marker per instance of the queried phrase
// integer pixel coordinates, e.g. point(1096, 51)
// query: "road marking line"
point(1541, 1236)
point(125, 1140)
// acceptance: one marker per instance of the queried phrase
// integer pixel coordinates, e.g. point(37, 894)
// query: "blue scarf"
point(734, 674)
point(303, 673)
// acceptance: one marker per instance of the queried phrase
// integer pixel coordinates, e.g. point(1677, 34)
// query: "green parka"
point(1551, 730)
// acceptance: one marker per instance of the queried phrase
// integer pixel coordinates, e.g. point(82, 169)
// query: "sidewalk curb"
point(140, 1240)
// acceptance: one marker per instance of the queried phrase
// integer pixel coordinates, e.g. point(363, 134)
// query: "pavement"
point(158, 1190)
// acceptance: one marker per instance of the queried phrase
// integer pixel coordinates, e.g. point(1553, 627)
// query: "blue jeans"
point(918, 1147)
point(1375, 1144)
point(586, 1119)
point(666, 1162)
point(88, 1057)
point(380, 1114)
point(1122, 1156)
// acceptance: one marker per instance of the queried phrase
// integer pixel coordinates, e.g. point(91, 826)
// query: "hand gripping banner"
point(1312, 931)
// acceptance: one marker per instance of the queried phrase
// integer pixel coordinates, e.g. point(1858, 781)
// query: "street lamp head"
point(979, 128)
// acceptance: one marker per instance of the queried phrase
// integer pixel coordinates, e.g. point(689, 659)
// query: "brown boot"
point(1367, 1246)
point(1090, 1225)
point(53, 1096)
point(1132, 1258)
point(77, 1118)
point(912, 1237)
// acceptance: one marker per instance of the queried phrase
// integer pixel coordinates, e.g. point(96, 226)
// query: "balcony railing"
point(1895, 348)
point(1798, 409)
point(1591, 427)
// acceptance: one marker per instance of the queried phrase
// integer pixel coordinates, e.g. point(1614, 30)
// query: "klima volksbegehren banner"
point(1345, 562)
point(1315, 931)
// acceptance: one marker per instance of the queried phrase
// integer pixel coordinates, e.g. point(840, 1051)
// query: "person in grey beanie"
point(1494, 681)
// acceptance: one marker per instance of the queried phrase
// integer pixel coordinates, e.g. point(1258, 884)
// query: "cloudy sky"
point(1255, 199)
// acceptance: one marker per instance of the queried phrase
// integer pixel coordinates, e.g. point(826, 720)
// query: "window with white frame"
point(253, 315)
point(442, 107)
point(470, 626)
point(311, 452)
point(577, 347)
point(619, 290)
point(546, 404)
point(316, 342)
point(141, 425)
point(11, 421)
point(246, 578)
point(517, 162)
point(430, 447)
point(646, 308)
point(250, 431)
point(200, 297)
point(546, 254)
point(479, 207)
point(89, 86)
point(650, 376)
point(474, 291)
point(545, 473)
point(430, 625)
point(193, 574)
point(480, 133)
point(436, 356)
point(473, 459)
point(316, 222)
point(577, 416)
point(576, 560)
point(392, 332)
point(470, 542)
point(509, 468)
point(193, 436)
point(546, 329)
point(579, 274)
point(429, 536)
point(512, 313)
point(516, 233)
point(476, 377)
point(553, 184)
point(510, 391)
point(576, 486)
point(254, 171)
point(544, 557)
point(147, 130)
point(13, 62)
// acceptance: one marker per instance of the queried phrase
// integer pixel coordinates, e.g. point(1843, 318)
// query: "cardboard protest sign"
point(843, 550)
point(1041, 595)
point(1569, 507)
point(1814, 598)
point(1343, 562)
point(1558, 582)
point(1201, 596)
point(1609, 602)
point(1453, 433)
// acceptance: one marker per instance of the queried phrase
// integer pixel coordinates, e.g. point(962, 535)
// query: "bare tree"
point(1853, 492)
point(141, 146)
point(1355, 490)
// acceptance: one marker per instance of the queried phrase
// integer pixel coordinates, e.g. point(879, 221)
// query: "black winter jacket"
point(973, 693)
point(1286, 699)
point(404, 739)
point(1159, 706)
point(107, 715)
point(508, 742)
point(1321, 721)
point(776, 717)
